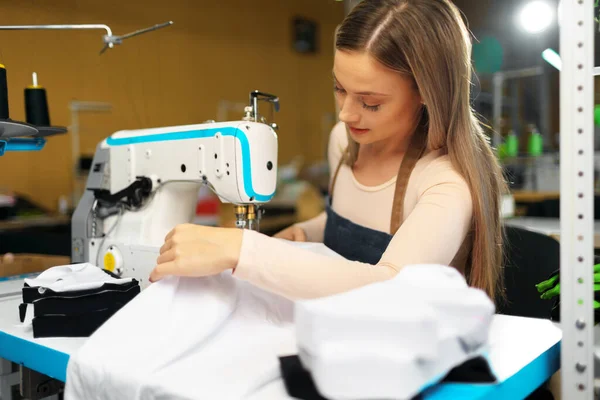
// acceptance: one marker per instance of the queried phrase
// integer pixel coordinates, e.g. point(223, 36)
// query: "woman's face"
point(375, 102)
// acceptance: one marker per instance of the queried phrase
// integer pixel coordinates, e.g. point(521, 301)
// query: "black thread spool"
point(3, 93)
point(36, 104)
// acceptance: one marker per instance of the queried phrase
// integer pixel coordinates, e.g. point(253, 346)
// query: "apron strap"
point(335, 174)
point(417, 147)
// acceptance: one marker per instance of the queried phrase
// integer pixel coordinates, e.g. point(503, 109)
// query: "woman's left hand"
point(195, 250)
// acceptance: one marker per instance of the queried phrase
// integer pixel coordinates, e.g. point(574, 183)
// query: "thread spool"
point(36, 104)
point(3, 93)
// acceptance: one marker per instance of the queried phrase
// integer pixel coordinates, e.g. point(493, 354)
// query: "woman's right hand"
point(293, 233)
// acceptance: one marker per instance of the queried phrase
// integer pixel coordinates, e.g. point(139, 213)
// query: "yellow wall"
point(216, 50)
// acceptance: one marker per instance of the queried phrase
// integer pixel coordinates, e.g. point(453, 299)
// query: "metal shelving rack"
point(577, 196)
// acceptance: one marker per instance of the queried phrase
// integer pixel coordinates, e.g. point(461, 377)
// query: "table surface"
point(549, 226)
point(524, 353)
point(34, 221)
point(530, 196)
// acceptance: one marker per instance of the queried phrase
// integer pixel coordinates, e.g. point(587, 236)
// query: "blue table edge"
point(54, 364)
point(518, 386)
point(34, 356)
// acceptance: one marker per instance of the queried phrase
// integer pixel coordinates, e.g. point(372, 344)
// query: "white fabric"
point(153, 330)
point(240, 359)
point(187, 338)
point(393, 338)
point(220, 338)
point(72, 277)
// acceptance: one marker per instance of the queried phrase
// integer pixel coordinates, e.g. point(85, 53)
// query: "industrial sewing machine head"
point(144, 182)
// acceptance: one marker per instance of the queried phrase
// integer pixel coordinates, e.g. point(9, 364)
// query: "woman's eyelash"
point(365, 106)
point(371, 108)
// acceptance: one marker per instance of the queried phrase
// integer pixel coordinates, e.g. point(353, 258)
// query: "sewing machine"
point(144, 182)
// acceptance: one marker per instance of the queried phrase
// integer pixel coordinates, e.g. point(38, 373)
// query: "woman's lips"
point(358, 131)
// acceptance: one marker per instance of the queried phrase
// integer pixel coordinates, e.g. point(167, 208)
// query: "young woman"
point(414, 179)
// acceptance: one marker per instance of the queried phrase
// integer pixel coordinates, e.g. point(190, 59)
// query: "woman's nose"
point(348, 112)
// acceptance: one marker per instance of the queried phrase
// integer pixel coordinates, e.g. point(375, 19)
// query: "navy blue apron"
point(358, 243)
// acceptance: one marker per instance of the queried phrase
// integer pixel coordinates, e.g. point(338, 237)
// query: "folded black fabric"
point(60, 305)
point(475, 370)
point(74, 313)
point(300, 385)
point(31, 294)
point(71, 325)
point(84, 304)
point(22, 311)
point(297, 380)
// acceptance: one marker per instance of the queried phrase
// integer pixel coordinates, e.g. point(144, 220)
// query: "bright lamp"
point(536, 16)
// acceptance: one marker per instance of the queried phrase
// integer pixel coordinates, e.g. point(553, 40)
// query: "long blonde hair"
point(428, 41)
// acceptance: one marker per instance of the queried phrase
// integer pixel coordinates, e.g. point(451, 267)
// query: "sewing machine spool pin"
point(251, 112)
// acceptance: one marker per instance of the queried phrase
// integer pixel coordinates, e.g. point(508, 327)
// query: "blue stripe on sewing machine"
point(21, 144)
point(203, 133)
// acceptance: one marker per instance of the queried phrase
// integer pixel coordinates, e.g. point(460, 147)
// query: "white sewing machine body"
point(143, 183)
